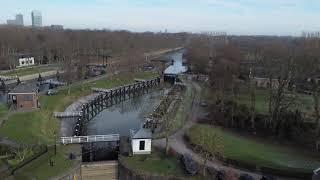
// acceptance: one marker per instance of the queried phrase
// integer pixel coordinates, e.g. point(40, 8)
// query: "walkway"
point(68, 123)
point(88, 139)
point(176, 141)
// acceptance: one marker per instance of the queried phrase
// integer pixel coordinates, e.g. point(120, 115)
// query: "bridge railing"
point(92, 138)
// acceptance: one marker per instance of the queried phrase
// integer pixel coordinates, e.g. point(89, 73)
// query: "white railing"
point(92, 138)
point(101, 90)
point(67, 114)
point(8, 78)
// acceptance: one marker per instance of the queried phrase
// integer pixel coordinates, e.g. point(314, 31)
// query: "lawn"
point(258, 153)
point(27, 71)
point(41, 169)
point(3, 110)
point(40, 126)
point(304, 102)
point(262, 99)
point(156, 164)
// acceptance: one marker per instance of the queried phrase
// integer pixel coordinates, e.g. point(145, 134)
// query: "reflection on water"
point(177, 66)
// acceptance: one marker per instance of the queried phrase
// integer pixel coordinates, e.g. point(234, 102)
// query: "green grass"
point(156, 164)
point(40, 126)
point(29, 128)
point(303, 102)
point(262, 99)
point(27, 71)
point(258, 152)
point(41, 169)
point(3, 110)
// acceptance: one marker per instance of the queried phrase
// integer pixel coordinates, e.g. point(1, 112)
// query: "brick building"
point(24, 97)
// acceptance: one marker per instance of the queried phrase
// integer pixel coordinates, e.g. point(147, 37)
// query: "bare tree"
point(209, 146)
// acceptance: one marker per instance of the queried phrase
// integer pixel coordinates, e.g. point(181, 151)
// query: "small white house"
point(141, 141)
point(25, 61)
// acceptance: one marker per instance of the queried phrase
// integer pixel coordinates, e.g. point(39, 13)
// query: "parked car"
point(316, 174)
point(245, 177)
point(268, 178)
point(203, 104)
point(52, 92)
point(190, 166)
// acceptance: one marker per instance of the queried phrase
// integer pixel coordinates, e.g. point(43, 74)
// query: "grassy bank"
point(40, 126)
point(179, 113)
point(156, 164)
point(3, 110)
point(304, 102)
point(27, 71)
point(41, 169)
point(258, 153)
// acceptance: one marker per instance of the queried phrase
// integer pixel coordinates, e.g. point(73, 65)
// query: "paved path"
point(67, 124)
point(176, 141)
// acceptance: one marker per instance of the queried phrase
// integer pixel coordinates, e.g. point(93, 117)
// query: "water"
point(177, 67)
point(120, 118)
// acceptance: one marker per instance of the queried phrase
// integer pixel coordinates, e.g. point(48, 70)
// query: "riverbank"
point(257, 155)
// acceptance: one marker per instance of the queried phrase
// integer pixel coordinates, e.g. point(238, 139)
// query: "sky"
point(239, 17)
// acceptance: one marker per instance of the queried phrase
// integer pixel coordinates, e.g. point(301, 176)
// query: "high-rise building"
point(36, 18)
point(18, 21)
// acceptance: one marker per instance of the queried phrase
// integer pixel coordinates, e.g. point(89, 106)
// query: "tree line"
point(290, 66)
point(48, 46)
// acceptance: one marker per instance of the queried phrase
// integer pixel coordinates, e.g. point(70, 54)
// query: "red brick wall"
point(24, 102)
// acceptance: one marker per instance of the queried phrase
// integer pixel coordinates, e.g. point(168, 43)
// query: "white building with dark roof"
point(141, 141)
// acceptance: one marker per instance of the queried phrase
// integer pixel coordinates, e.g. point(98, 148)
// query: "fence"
point(42, 150)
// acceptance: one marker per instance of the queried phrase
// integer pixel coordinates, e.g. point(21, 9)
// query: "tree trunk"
point(167, 144)
point(204, 165)
point(233, 104)
point(270, 103)
point(316, 106)
point(253, 104)
point(167, 136)
point(69, 89)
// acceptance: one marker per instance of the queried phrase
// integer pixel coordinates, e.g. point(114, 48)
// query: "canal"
point(122, 117)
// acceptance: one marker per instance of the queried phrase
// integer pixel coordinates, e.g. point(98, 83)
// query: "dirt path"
point(177, 142)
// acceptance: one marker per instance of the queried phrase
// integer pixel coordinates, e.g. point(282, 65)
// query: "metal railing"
point(92, 138)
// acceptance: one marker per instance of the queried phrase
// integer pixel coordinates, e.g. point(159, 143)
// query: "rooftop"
point(142, 134)
point(24, 88)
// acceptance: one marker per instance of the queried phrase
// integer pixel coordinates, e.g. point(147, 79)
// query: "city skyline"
point(273, 17)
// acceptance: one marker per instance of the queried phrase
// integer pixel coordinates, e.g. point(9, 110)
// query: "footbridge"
point(90, 139)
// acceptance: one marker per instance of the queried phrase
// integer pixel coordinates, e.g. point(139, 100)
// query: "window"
point(142, 145)
point(28, 97)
